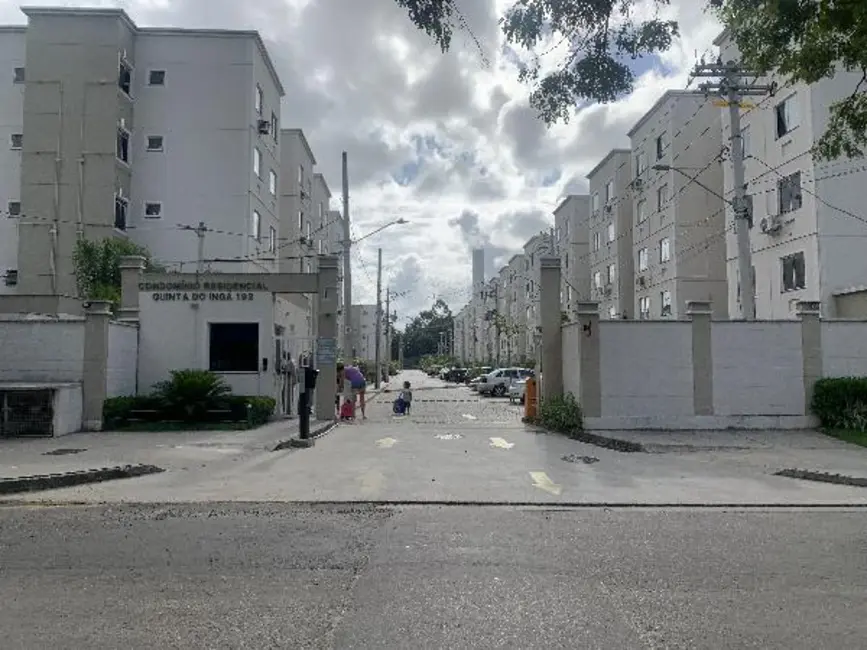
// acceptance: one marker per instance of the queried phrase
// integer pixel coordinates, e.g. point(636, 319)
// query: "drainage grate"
point(63, 452)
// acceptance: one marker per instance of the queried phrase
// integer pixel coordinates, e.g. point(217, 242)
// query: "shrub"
point(119, 412)
point(259, 411)
point(841, 402)
point(190, 394)
point(561, 413)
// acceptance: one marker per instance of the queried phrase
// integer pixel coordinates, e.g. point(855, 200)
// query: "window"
point(155, 143)
point(14, 208)
point(257, 162)
point(272, 182)
point(300, 222)
point(596, 241)
point(18, 75)
point(153, 210)
point(157, 78)
point(597, 279)
point(17, 140)
point(272, 239)
point(644, 308)
point(275, 125)
point(611, 232)
point(258, 100)
point(609, 191)
point(642, 211)
point(11, 277)
point(595, 206)
point(661, 145)
point(121, 208)
point(640, 164)
point(794, 272)
point(642, 259)
point(612, 273)
point(301, 176)
point(233, 347)
point(786, 115)
point(665, 303)
point(256, 226)
point(122, 152)
point(124, 77)
point(612, 312)
point(664, 250)
point(662, 197)
point(789, 193)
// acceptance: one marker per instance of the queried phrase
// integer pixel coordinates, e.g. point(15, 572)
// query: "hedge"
point(841, 402)
point(118, 412)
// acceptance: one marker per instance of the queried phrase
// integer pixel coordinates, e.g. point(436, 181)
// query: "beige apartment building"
point(571, 245)
point(679, 221)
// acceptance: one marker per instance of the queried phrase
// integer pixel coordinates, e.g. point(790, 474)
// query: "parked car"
point(496, 383)
point(457, 375)
point(474, 383)
point(518, 391)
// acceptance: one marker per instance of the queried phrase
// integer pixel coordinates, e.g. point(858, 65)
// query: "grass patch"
point(848, 435)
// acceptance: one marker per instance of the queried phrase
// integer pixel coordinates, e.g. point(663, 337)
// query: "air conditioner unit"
point(771, 224)
point(264, 127)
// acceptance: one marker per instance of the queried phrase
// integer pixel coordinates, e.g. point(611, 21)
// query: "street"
point(455, 527)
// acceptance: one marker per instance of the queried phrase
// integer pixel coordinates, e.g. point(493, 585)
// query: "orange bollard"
point(531, 400)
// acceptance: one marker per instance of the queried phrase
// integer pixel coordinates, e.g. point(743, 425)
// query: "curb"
point(302, 443)
point(823, 477)
point(605, 442)
point(69, 479)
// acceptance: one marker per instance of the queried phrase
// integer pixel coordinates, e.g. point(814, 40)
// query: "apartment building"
point(364, 318)
point(535, 249)
point(611, 267)
point(110, 137)
point(515, 289)
point(459, 335)
point(806, 244)
point(679, 217)
point(571, 238)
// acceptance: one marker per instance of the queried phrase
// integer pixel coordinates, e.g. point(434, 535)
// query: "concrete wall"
point(572, 359)
point(646, 368)
point(67, 409)
point(41, 349)
point(844, 349)
point(122, 361)
point(757, 368)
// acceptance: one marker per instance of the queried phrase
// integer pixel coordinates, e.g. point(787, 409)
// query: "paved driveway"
point(458, 447)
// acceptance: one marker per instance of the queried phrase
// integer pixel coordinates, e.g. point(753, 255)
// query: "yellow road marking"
point(542, 481)
point(467, 416)
point(385, 443)
point(501, 443)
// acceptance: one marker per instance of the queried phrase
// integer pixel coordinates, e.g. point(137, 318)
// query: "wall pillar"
point(811, 348)
point(326, 343)
point(700, 312)
point(552, 327)
point(95, 369)
point(589, 359)
point(131, 269)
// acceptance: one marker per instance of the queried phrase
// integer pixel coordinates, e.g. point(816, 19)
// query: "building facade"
point(535, 249)
point(13, 50)
point(364, 317)
point(611, 268)
point(805, 243)
point(138, 154)
point(571, 237)
point(678, 211)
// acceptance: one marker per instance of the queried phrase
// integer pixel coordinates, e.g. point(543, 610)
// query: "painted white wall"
point(41, 349)
point(205, 113)
point(12, 53)
point(758, 368)
point(571, 239)
point(364, 318)
point(167, 339)
point(67, 409)
point(844, 349)
point(122, 359)
point(572, 359)
point(646, 368)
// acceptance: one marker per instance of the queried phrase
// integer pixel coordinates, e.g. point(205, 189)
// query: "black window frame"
point(793, 267)
point(243, 346)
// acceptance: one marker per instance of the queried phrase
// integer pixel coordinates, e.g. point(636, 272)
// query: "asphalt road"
point(291, 576)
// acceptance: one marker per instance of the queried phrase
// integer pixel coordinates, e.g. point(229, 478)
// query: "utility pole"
point(378, 343)
point(200, 260)
point(732, 87)
point(348, 334)
point(387, 327)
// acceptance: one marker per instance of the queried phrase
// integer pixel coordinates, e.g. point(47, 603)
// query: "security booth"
point(234, 324)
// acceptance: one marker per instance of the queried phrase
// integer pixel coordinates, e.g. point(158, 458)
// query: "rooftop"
point(298, 133)
point(608, 156)
point(668, 95)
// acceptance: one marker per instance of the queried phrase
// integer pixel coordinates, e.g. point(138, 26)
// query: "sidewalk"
point(179, 450)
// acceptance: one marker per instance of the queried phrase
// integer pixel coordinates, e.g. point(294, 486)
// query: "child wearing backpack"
point(403, 403)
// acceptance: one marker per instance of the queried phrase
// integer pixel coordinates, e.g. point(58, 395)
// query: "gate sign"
point(326, 352)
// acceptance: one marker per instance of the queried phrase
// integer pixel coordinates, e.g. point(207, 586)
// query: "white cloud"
point(359, 77)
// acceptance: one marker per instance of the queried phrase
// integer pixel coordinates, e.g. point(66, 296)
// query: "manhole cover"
point(63, 452)
point(449, 436)
point(574, 458)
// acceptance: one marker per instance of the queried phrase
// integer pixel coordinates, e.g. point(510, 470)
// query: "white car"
point(474, 383)
point(517, 391)
point(497, 382)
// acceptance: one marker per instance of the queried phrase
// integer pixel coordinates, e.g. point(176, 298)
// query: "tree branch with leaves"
point(96, 265)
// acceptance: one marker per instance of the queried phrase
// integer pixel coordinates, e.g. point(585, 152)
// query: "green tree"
point(804, 40)
point(97, 266)
point(421, 336)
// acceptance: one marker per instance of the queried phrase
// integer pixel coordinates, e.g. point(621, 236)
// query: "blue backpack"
point(399, 406)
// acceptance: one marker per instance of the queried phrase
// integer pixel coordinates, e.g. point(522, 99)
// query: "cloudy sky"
point(445, 141)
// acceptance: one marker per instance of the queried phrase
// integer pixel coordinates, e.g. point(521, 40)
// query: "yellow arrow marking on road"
point(500, 443)
point(385, 443)
point(467, 416)
point(542, 481)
